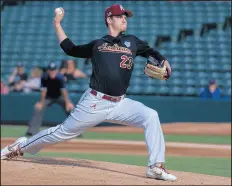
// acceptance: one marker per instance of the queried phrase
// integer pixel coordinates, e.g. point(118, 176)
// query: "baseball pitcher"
point(112, 58)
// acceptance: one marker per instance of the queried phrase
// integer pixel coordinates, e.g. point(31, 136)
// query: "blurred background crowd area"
point(195, 36)
point(25, 80)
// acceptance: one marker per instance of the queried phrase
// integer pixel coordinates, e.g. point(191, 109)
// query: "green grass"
point(203, 165)
point(17, 131)
point(199, 139)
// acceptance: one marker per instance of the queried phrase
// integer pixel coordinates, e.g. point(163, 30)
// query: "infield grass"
point(203, 165)
point(18, 131)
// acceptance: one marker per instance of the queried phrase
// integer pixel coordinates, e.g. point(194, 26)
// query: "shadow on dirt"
point(71, 163)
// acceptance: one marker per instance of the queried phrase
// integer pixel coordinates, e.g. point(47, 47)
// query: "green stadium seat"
point(194, 61)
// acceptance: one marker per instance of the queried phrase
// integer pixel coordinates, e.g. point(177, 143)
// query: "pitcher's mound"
point(63, 171)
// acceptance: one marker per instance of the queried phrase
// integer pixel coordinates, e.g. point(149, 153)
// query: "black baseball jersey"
point(53, 86)
point(112, 60)
point(18, 78)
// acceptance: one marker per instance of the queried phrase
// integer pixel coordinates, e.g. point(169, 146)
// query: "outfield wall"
point(17, 108)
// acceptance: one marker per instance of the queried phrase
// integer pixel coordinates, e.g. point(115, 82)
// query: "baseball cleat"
point(160, 173)
point(12, 151)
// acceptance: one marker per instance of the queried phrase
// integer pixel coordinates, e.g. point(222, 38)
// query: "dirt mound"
point(133, 147)
point(61, 171)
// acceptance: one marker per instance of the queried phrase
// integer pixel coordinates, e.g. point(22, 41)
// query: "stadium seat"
point(194, 61)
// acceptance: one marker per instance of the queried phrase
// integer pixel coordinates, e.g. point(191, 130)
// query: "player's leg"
point(36, 120)
point(134, 113)
point(84, 116)
point(61, 102)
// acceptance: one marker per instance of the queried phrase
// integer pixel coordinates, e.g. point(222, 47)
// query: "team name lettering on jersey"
point(115, 48)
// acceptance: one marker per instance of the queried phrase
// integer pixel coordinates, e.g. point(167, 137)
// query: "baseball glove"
point(157, 70)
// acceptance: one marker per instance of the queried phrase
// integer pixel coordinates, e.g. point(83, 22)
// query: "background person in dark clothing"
point(17, 78)
point(52, 91)
point(211, 91)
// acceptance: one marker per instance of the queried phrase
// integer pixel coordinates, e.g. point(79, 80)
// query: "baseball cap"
point(212, 81)
point(117, 9)
point(52, 66)
point(20, 65)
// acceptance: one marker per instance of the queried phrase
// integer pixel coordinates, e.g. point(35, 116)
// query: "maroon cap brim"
point(129, 13)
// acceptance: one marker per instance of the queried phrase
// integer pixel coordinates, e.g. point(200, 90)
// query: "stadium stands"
point(28, 36)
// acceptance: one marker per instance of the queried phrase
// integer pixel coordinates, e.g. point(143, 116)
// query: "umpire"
point(52, 91)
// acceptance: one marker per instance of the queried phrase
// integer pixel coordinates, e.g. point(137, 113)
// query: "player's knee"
point(155, 114)
point(151, 117)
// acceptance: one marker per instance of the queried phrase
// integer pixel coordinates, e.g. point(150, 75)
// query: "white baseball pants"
point(92, 110)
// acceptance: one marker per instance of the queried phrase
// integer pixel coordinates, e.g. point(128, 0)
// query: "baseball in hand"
point(59, 11)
